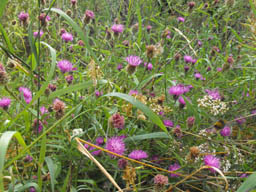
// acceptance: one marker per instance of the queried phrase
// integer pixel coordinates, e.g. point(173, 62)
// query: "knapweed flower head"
point(226, 131)
point(174, 167)
point(148, 66)
point(138, 154)
point(98, 93)
point(65, 66)
point(94, 152)
point(188, 59)
point(73, 2)
point(212, 161)
point(23, 16)
point(26, 94)
point(5, 103)
point(69, 79)
point(181, 19)
point(160, 180)
point(133, 92)
point(37, 125)
point(190, 121)
point(28, 158)
point(176, 91)
point(122, 163)
point(89, 14)
point(168, 123)
point(133, 60)
point(117, 28)
point(149, 27)
point(215, 94)
point(119, 67)
point(59, 108)
point(116, 145)
point(116, 121)
point(67, 37)
point(99, 140)
point(36, 33)
point(240, 120)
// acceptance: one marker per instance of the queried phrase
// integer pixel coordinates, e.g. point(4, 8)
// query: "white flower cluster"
point(76, 132)
point(216, 106)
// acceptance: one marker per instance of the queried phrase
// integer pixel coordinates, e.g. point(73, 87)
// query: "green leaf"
point(4, 142)
point(76, 27)
point(6, 39)
point(248, 184)
point(2, 6)
point(64, 187)
point(27, 186)
point(148, 136)
point(32, 43)
point(41, 161)
point(151, 115)
point(52, 170)
point(145, 81)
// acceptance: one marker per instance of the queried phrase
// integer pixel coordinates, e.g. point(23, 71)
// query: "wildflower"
point(168, 123)
point(28, 158)
point(240, 120)
point(62, 31)
point(215, 94)
point(138, 154)
point(177, 131)
point(5, 103)
point(52, 87)
point(160, 180)
point(219, 69)
point(69, 79)
point(198, 76)
point(194, 151)
point(98, 93)
point(36, 33)
point(89, 14)
point(199, 43)
point(176, 91)
point(100, 140)
point(65, 66)
point(67, 37)
point(43, 110)
point(59, 107)
point(212, 161)
point(190, 121)
point(44, 19)
point(73, 2)
point(181, 19)
point(186, 68)
point(37, 125)
point(117, 28)
point(188, 59)
point(133, 92)
point(32, 189)
point(177, 56)
point(133, 62)
point(116, 145)
point(26, 94)
point(150, 50)
point(95, 152)
point(182, 102)
point(226, 131)
point(122, 163)
point(80, 43)
point(174, 167)
point(23, 17)
point(194, 61)
point(149, 27)
point(119, 67)
point(191, 4)
point(149, 66)
point(116, 121)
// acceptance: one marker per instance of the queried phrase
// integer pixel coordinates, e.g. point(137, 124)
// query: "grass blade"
point(248, 184)
point(148, 136)
point(2, 6)
point(52, 171)
point(6, 38)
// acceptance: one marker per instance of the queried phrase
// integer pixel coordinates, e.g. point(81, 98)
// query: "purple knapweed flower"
point(199, 43)
point(67, 37)
point(176, 91)
point(219, 69)
point(36, 33)
point(149, 66)
point(65, 66)
point(99, 140)
point(168, 123)
point(138, 154)
point(32, 189)
point(226, 131)
point(43, 110)
point(133, 60)
point(26, 94)
point(160, 180)
point(190, 121)
point(133, 92)
point(116, 145)
point(240, 120)
point(198, 76)
point(98, 93)
point(194, 61)
point(116, 121)
point(119, 67)
point(23, 16)
point(89, 14)
point(182, 101)
point(213, 93)
point(28, 158)
point(117, 28)
point(188, 59)
point(122, 163)
point(181, 19)
point(213, 161)
point(5, 103)
point(95, 152)
point(69, 79)
point(174, 167)
point(149, 27)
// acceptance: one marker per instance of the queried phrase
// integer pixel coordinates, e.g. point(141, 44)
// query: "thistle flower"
point(65, 66)
point(138, 154)
point(176, 91)
point(174, 167)
point(67, 37)
point(73, 2)
point(226, 131)
point(69, 79)
point(23, 17)
point(213, 161)
point(26, 94)
point(181, 19)
point(5, 103)
point(168, 123)
point(89, 14)
point(116, 121)
point(191, 4)
point(133, 62)
point(36, 33)
point(160, 180)
point(117, 28)
point(188, 59)
point(116, 145)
